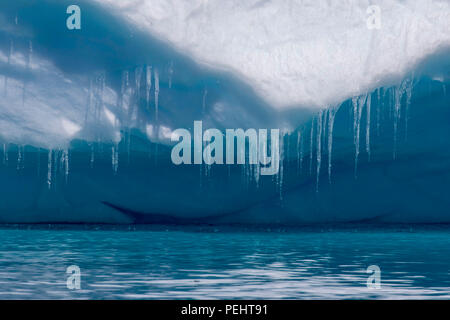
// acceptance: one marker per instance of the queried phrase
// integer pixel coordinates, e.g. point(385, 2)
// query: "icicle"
point(170, 74)
point(288, 146)
point(355, 111)
point(156, 93)
point(205, 93)
point(331, 115)
point(66, 164)
point(5, 153)
point(148, 83)
point(358, 104)
point(378, 110)
point(311, 147)
point(99, 90)
point(137, 79)
point(299, 141)
point(89, 102)
point(38, 153)
point(355, 117)
point(319, 148)
point(49, 169)
point(19, 157)
point(62, 163)
point(408, 103)
point(124, 96)
point(398, 92)
point(256, 171)
point(207, 167)
point(301, 154)
point(115, 158)
point(383, 104)
point(92, 157)
point(368, 103)
point(134, 95)
point(281, 169)
point(324, 127)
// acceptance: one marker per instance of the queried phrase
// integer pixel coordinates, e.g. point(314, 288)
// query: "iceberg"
point(87, 116)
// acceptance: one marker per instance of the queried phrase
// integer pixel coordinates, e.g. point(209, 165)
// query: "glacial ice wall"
point(86, 115)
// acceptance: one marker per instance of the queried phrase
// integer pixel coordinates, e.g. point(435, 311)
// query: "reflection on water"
point(149, 263)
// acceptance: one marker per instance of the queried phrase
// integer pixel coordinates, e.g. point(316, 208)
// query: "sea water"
point(144, 262)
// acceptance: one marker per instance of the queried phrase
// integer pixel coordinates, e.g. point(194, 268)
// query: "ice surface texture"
point(310, 53)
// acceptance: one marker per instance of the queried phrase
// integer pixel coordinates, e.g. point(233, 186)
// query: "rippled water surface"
point(216, 263)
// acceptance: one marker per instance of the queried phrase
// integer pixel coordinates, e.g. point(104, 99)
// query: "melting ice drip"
point(331, 112)
point(115, 158)
point(55, 157)
point(170, 71)
point(280, 174)
point(49, 168)
point(321, 127)
point(299, 151)
point(19, 157)
point(5, 153)
point(319, 147)
point(358, 104)
point(156, 93)
point(319, 133)
point(325, 119)
point(148, 83)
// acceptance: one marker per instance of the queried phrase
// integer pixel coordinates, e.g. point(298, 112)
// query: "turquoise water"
point(218, 263)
